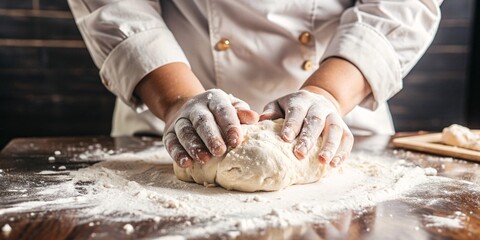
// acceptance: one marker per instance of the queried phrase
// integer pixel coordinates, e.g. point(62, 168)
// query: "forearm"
point(341, 82)
point(165, 89)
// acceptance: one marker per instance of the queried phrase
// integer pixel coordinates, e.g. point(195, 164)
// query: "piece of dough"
point(262, 162)
point(460, 136)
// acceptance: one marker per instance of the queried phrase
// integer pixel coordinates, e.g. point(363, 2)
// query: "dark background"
point(49, 85)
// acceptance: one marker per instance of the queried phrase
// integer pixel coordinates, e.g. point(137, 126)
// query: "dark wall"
point(473, 106)
point(48, 83)
point(50, 87)
point(435, 91)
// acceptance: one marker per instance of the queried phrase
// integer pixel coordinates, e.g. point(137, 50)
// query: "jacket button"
point(305, 38)
point(307, 65)
point(222, 45)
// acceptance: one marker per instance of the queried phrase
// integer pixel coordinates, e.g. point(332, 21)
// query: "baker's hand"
point(307, 116)
point(206, 125)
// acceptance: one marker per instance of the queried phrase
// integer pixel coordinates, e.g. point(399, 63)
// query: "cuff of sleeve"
point(373, 55)
point(134, 58)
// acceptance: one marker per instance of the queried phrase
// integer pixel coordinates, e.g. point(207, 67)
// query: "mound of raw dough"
point(263, 162)
point(460, 136)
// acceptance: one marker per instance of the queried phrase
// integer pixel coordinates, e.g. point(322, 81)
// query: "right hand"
point(205, 125)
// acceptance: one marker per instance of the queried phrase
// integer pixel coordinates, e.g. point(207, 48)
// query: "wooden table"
point(23, 157)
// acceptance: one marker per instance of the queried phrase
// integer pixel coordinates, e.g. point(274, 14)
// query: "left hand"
point(307, 116)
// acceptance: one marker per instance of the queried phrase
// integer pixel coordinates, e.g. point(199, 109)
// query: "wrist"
point(342, 80)
point(167, 88)
point(324, 93)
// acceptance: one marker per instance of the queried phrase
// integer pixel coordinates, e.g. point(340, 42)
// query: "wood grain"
point(431, 143)
point(395, 219)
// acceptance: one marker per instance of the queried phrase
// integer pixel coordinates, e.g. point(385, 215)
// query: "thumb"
point(247, 116)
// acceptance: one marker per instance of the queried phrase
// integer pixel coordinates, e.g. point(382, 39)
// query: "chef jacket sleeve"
point(127, 39)
point(384, 39)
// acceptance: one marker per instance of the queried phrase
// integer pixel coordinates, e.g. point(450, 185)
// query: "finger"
point(312, 128)
point(294, 116)
point(344, 149)
point(247, 116)
point(271, 111)
point(237, 103)
point(176, 150)
point(191, 142)
point(206, 127)
point(331, 138)
point(226, 118)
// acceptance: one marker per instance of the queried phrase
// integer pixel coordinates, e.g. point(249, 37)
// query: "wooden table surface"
point(23, 157)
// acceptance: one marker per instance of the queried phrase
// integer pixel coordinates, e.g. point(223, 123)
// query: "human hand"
point(204, 126)
point(307, 116)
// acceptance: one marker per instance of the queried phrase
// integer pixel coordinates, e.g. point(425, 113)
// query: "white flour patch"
point(451, 221)
point(6, 229)
point(135, 187)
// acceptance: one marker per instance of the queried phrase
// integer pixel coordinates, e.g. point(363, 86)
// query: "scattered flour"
point(6, 230)
point(142, 186)
point(452, 221)
point(430, 171)
point(128, 228)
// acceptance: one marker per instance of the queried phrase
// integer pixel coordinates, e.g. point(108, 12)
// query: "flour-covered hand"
point(307, 116)
point(205, 126)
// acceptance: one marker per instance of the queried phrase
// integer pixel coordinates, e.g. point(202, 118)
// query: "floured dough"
point(263, 162)
point(460, 136)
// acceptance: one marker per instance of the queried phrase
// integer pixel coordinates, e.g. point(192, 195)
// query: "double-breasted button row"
point(304, 38)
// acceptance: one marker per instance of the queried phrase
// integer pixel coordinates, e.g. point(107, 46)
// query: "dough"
point(263, 162)
point(460, 136)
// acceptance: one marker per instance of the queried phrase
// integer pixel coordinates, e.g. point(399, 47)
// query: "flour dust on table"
point(130, 188)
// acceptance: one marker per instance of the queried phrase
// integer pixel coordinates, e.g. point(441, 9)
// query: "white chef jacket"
point(265, 60)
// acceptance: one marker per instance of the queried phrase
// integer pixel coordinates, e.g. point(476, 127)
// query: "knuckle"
point(221, 109)
point(329, 145)
point(340, 154)
point(270, 106)
point(177, 153)
point(213, 142)
point(194, 151)
point(313, 119)
point(334, 127)
point(302, 93)
point(199, 119)
point(292, 124)
point(215, 91)
point(295, 108)
point(307, 140)
point(348, 135)
point(170, 141)
point(306, 133)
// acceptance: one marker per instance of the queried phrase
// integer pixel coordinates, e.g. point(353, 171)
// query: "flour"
point(460, 136)
point(451, 221)
point(128, 228)
point(6, 230)
point(137, 187)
